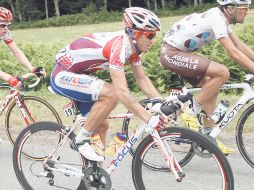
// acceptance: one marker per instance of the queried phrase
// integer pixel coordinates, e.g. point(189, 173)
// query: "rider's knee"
point(110, 95)
point(226, 73)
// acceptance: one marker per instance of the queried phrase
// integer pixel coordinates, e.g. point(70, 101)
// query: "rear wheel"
point(40, 139)
point(202, 172)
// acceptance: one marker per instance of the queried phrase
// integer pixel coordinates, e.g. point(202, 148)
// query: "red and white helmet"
point(234, 2)
point(141, 19)
point(5, 15)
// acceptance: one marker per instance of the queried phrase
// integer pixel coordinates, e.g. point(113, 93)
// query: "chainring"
point(97, 178)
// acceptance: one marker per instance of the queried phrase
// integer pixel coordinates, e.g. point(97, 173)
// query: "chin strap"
point(129, 32)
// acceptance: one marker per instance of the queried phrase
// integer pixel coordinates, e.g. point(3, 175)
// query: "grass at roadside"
point(60, 36)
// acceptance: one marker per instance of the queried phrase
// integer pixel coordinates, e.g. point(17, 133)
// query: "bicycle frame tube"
point(119, 156)
point(167, 154)
point(247, 96)
point(4, 102)
point(23, 109)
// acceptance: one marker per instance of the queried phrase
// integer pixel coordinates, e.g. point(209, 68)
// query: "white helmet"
point(141, 19)
point(234, 2)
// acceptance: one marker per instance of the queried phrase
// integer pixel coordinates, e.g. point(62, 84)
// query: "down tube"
point(119, 156)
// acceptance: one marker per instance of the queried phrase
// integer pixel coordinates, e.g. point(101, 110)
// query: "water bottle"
point(220, 111)
point(115, 144)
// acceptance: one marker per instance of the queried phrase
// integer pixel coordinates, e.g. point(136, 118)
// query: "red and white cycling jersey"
point(98, 51)
point(7, 38)
point(196, 30)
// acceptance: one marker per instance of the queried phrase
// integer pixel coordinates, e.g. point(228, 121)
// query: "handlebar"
point(30, 75)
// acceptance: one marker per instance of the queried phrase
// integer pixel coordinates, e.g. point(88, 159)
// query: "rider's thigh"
point(217, 70)
point(107, 92)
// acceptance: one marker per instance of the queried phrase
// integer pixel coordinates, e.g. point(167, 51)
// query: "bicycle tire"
point(144, 179)
point(125, 129)
point(244, 135)
point(28, 172)
point(46, 112)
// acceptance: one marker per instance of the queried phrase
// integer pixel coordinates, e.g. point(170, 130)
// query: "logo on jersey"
point(181, 61)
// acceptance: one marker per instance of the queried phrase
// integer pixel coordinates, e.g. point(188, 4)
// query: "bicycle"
point(244, 130)
point(59, 168)
point(24, 110)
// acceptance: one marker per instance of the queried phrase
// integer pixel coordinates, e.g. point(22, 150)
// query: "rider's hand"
point(15, 82)
point(40, 72)
point(157, 121)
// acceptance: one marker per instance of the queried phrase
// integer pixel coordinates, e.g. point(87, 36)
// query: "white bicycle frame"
point(167, 153)
point(248, 94)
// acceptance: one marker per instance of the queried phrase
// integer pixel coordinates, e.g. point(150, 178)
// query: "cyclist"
point(193, 32)
point(5, 35)
point(95, 98)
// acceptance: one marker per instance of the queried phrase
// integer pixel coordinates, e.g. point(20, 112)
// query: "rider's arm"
point(242, 46)
point(144, 82)
point(4, 76)
point(20, 56)
point(236, 54)
point(124, 95)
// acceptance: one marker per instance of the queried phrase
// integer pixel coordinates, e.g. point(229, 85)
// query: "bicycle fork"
point(168, 156)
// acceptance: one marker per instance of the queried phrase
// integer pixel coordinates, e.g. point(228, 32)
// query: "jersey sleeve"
point(7, 38)
point(135, 59)
point(219, 26)
point(117, 54)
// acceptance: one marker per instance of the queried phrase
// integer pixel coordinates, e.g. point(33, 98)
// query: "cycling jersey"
point(92, 52)
point(98, 51)
point(196, 30)
point(7, 38)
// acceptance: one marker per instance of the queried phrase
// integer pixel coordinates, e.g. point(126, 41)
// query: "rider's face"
point(241, 13)
point(145, 41)
point(3, 28)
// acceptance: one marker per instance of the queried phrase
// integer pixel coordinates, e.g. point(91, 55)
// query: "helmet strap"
point(129, 32)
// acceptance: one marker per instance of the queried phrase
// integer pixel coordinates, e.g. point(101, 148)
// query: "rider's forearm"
point(129, 101)
point(239, 44)
point(23, 59)
point(247, 51)
point(4, 76)
point(148, 88)
point(242, 59)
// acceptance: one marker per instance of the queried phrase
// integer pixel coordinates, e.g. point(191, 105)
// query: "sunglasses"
point(150, 35)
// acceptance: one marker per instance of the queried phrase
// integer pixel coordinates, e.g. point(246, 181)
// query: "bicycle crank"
point(97, 178)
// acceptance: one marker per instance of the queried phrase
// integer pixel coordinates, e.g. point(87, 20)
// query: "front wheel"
point(245, 135)
point(202, 172)
point(39, 140)
point(130, 125)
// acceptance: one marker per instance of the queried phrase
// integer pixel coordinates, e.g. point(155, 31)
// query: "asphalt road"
point(122, 178)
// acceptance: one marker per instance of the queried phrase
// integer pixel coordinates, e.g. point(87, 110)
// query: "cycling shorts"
point(191, 67)
point(82, 88)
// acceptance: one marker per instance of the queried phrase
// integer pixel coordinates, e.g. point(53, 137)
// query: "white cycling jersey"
point(7, 38)
point(196, 30)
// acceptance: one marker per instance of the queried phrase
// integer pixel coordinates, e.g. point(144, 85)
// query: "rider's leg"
point(106, 102)
point(219, 75)
point(96, 121)
point(102, 131)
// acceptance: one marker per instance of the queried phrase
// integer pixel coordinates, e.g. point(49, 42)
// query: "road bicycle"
point(62, 167)
point(23, 110)
point(244, 128)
